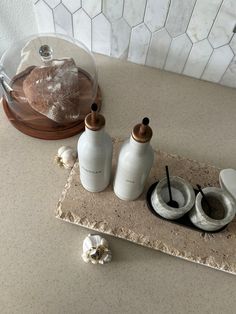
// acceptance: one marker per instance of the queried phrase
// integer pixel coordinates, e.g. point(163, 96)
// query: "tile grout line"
point(144, 11)
point(230, 60)
point(57, 5)
point(182, 72)
point(123, 7)
point(71, 28)
point(90, 48)
point(110, 23)
point(77, 10)
point(167, 13)
point(191, 15)
point(208, 61)
point(213, 23)
point(91, 21)
point(97, 15)
point(191, 50)
point(54, 24)
point(163, 68)
point(226, 69)
point(81, 8)
point(131, 35)
point(131, 29)
point(169, 45)
point(72, 25)
point(92, 18)
point(149, 43)
point(231, 38)
point(185, 32)
point(227, 44)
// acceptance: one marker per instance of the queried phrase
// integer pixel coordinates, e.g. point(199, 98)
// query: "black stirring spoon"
point(204, 197)
point(171, 202)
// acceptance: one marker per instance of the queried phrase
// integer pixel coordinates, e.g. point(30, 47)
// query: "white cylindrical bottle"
point(95, 153)
point(134, 163)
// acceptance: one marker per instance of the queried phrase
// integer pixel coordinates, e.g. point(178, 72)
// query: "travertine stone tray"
point(133, 221)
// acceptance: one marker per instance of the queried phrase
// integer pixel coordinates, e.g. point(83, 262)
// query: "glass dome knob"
point(45, 52)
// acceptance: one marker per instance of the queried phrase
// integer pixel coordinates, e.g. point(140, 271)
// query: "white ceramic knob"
point(227, 180)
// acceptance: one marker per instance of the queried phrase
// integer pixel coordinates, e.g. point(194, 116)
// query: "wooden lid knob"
point(142, 132)
point(94, 121)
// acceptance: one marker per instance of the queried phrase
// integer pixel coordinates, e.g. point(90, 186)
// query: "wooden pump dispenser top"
point(94, 121)
point(142, 132)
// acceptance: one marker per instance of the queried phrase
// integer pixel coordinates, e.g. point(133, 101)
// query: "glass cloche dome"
point(48, 83)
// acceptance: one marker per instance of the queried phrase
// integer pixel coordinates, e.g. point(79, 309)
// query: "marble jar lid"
point(222, 212)
point(182, 193)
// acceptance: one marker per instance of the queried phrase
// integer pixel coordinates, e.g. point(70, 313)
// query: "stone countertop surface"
point(40, 264)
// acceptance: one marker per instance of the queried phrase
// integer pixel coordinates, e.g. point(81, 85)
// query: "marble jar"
point(207, 219)
point(182, 193)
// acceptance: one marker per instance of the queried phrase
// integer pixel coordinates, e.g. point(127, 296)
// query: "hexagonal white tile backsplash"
point(190, 37)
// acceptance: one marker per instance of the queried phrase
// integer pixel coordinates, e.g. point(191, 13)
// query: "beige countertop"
point(41, 270)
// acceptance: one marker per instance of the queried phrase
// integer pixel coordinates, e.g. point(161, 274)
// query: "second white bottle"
point(134, 163)
point(95, 153)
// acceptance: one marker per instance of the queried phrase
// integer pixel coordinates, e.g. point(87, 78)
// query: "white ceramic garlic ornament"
point(95, 250)
point(95, 153)
point(66, 157)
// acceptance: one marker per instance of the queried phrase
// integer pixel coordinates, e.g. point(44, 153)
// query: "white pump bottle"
point(95, 153)
point(134, 163)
